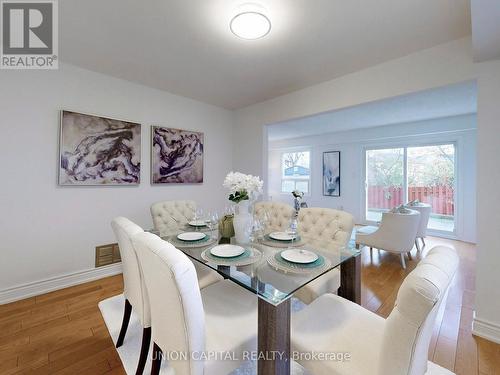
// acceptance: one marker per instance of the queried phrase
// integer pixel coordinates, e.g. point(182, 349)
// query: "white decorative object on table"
point(242, 190)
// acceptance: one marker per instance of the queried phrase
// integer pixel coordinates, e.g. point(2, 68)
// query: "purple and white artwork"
point(96, 150)
point(176, 156)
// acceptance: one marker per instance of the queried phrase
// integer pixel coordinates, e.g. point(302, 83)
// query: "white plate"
point(299, 256)
point(197, 223)
point(191, 236)
point(282, 236)
point(227, 251)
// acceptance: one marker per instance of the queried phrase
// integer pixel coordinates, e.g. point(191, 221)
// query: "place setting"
point(282, 239)
point(231, 255)
point(192, 239)
point(296, 260)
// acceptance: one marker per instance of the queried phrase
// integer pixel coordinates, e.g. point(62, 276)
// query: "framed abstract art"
point(331, 173)
point(95, 150)
point(176, 156)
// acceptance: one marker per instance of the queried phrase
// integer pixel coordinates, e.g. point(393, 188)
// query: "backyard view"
point(430, 172)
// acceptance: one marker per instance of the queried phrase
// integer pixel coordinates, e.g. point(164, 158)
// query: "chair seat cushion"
point(230, 324)
point(433, 369)
point(327, 283)
point(206, 276)
point(339, 326)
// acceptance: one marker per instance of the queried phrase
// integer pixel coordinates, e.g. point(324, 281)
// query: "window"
point(295, 171)
point(395, 176)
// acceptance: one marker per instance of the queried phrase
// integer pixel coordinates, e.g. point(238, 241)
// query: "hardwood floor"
point(63, 333)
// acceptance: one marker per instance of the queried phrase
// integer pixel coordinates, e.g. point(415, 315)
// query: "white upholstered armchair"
point(396, 233)
point(425, 213)
point(393, 346)
point(332, 229)
point(279, 214)
point(169, 215)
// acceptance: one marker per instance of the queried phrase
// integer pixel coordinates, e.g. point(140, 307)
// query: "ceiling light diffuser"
point(250, 25)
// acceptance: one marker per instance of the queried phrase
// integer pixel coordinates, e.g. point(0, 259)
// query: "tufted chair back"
point(169, 215)
point(279, 214)
point(408, 329)
point(326, 225)
point(134, 289)
point(177, 315)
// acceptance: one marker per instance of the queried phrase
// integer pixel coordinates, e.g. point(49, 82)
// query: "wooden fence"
point(439, 197)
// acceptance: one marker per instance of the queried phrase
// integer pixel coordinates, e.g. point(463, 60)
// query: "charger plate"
point(197, 223)
point(277, 262)
point(282, 236)
point(191, 236)
point(208, 240)
point(250, 256)
point(268, 241)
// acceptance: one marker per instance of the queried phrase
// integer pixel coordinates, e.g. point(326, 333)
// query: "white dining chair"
point(190, 323)
point(328, 228)
point(425, 213)
point(376, 346)
point(396, 233)
point(169, 216)
point(134, 289)
point(278, 214)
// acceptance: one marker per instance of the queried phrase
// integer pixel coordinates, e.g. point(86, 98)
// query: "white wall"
point(351, 144)
point(487, 320)
point(47, 230)
point(439, 66)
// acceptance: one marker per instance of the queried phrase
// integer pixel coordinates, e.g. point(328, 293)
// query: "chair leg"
point(416, 244)
point(423, 241)
point(403, 263)
point(126, 318)
point(156, 361)
point(409, 255)
point(146, 339)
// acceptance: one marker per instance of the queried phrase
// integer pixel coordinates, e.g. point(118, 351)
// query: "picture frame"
point(177, 156)
point(331, 174)
point(98, 151)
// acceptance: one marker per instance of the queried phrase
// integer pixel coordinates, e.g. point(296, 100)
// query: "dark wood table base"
point(274, 338)
point(350, 279)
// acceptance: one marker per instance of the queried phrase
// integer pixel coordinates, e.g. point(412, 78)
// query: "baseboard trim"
point(49, 285)
point(485, 329)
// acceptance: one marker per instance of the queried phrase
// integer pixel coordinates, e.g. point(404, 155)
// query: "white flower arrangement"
point(243, 186)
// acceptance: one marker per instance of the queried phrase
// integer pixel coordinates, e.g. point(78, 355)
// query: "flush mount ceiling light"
point(250, 25)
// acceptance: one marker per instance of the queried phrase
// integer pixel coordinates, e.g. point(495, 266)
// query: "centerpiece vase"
point(242, 222)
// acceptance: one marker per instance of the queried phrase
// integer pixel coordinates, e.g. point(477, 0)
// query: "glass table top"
point(261, 268)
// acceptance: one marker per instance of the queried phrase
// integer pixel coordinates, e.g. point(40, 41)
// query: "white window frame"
point(295, 179)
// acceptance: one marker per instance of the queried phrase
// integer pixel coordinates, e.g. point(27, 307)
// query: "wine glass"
point(213, 222)
point(292, 230)
point(198, 214)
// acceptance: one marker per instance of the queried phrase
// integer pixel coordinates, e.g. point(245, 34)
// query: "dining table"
point(262, 270)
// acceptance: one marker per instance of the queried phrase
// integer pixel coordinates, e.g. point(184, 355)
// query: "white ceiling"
point(486, 29)
point(185, 47)
point(441, 102)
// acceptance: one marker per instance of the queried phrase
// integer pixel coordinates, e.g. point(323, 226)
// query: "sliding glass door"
point(384, 181)
point(431, 179)
point(395, 176)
